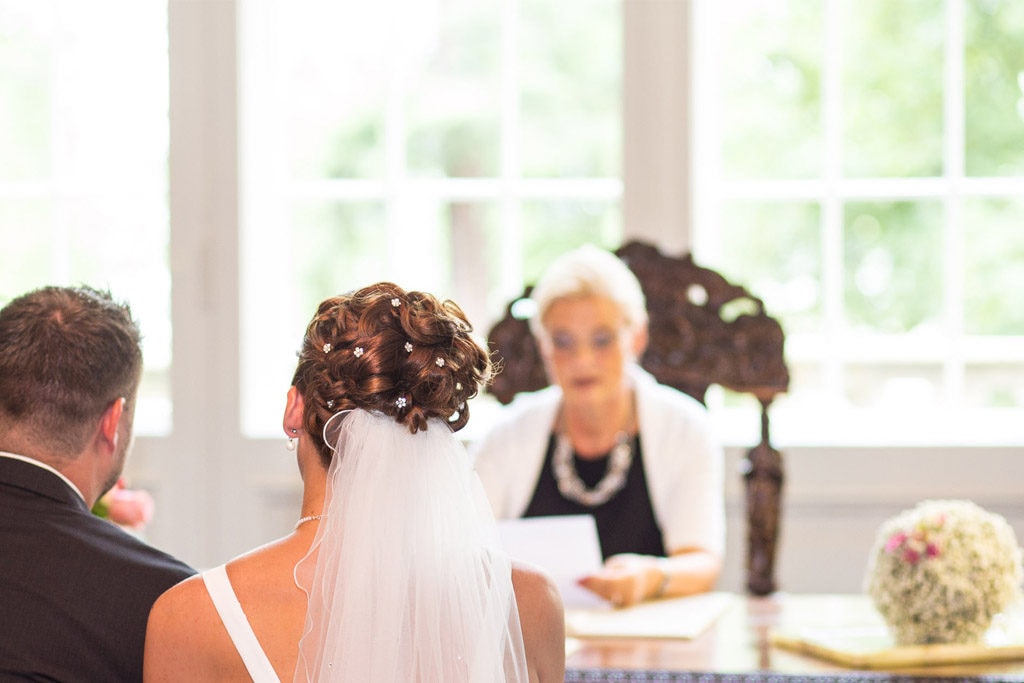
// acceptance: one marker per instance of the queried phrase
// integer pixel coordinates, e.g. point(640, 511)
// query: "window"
point(83, 183)
point(457, 151)
point(858, 167)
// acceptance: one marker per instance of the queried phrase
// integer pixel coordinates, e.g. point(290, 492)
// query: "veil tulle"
point(406, 581)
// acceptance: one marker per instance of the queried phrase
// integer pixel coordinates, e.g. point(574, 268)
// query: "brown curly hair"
point(404, 354)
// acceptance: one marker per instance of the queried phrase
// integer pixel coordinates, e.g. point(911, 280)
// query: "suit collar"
point(32, 475)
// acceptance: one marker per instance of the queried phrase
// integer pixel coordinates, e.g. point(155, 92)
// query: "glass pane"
point(893, 87)
point(570, 56)
point(994, 267)
point(349, 253)
point(771, 88)
point(994, 73)
point(774, 250)
point(455, 98)
point(893, 256)
point(324, 68)
point(26, 64)
point(29, 259)
point(994, 386)
point(553, 228)
point(894, 388)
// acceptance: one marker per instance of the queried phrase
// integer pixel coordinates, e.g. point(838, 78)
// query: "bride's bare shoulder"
point(534, 585)
point(543, 621)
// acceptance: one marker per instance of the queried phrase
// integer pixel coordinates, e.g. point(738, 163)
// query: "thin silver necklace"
point(307, 518)
point(568, 479)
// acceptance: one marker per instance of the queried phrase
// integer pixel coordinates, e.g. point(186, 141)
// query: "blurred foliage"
point(994, 89)
point(994, 267)
point(892, 87)
point(893, 265)
point(455, 104)
point(789, 282)
point(350, 234)
point(772, 59)
point(570, 66)
point(355, 148)
point(552, 228)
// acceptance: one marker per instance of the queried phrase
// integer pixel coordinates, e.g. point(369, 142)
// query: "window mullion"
point(511, 276)
point(832, 207)
point(953, 170)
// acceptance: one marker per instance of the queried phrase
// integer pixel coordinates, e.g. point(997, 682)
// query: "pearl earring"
point(293, 441)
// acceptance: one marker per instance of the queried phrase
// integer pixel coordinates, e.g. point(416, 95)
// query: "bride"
point(393, 572)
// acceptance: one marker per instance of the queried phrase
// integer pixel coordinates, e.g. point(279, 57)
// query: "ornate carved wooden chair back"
point(703, 331)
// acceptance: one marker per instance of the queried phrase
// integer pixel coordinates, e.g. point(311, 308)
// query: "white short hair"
point(589, 271)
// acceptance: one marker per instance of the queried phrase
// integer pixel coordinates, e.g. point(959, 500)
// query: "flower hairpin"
point(458, 386)
point(396, 302)
point(358, 352)
point(330, 403)
point(327, 347)
point(408, 347)
point(400, 402)
point(439, 361)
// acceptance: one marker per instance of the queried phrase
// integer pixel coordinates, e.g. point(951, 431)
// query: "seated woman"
point(609, 441)
point(392, 573)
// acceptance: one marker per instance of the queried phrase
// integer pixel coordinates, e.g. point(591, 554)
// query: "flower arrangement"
point(941, 571)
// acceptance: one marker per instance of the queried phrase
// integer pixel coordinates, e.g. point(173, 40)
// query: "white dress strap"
point(230, 610)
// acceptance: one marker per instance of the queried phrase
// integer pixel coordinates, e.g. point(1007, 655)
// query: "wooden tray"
point(872, 648)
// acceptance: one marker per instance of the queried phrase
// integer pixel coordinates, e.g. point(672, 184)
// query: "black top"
point(75, 590)
point(625, 523)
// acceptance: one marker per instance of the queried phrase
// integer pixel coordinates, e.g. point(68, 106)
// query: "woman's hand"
point(627, 579)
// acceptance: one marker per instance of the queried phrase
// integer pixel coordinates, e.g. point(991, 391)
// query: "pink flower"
point(132, 508)
point(895, 541)
point(923, 541)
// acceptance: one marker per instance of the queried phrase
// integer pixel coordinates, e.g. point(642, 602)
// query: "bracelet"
point(666, 578)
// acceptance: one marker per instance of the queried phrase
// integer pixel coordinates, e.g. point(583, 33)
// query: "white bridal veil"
point(406, 580)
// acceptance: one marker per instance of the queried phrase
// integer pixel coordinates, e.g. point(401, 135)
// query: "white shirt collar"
point(43, 465)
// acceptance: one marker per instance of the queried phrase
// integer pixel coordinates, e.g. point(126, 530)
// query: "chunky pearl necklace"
point(308, 518)
point(572, 487)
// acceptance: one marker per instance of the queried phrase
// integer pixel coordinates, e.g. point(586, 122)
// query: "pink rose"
point(132, 508)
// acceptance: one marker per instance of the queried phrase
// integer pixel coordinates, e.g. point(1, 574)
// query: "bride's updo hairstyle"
point(404, 354)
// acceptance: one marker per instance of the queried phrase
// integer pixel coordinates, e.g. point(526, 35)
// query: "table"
point(736, 648)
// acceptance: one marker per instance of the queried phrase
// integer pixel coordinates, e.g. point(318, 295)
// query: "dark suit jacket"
point(75, 590)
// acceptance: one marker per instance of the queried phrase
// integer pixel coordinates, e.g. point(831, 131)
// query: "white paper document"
point(566, 547)
point(681, 618)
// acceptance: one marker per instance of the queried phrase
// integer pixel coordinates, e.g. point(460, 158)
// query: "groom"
point(75, 590)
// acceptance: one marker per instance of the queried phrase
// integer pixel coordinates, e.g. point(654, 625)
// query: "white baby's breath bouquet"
point(941, 571)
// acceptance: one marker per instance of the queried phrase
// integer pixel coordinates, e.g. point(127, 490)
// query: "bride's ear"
point(294, 408)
